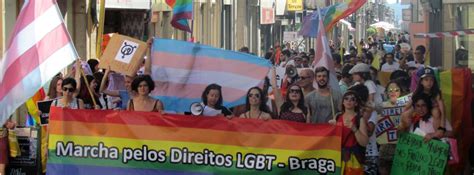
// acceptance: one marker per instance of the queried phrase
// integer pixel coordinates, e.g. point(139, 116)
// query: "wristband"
point(354, 129)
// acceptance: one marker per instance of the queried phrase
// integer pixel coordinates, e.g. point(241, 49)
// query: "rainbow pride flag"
point(182, 11)
point(457, 96)
point(341, 10)
point(122, 142)
point(182, 70)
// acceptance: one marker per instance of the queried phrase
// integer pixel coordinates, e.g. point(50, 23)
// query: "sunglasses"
point(254, 95)
point(394, 90)
point(295, 90)
point(303, 78)
point(66, 89)
point(349, 98)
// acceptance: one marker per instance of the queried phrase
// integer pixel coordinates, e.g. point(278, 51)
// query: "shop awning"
point(444, 34)
point(128, 4)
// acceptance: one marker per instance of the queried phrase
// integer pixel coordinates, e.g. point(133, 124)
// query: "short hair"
point(137, 80)
point(321, 69)
point(337, 58)
point(387, 54)
point(345, 70)
point(70, 81)
point(421, 48)
point(208, 89)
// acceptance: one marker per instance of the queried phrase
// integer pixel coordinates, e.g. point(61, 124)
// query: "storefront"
point(127, 17)
point(458, 51)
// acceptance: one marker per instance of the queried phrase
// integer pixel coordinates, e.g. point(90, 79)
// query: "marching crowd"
point(307, 97)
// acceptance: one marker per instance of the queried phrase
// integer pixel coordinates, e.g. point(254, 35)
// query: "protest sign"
point(123, 54)
point(125, 142)
point(44, 106)
point(414, 156)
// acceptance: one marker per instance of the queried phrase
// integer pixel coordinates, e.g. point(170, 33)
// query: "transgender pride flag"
point(39, 48)
point(182, 70)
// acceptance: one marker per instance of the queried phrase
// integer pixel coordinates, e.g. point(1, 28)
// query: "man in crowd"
point(390, 65)
point(306, 78)
point(323, 102)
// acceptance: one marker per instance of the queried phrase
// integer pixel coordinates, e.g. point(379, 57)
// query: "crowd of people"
point(356, 104)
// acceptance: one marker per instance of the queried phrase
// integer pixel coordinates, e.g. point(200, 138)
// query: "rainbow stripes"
point(457, 96)
point(182, 70)
point(280, 143)
point(340, 11)
point(182, 11)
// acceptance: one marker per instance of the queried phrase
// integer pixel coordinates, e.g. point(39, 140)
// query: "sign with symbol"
point(126, 51)
point(123, 54)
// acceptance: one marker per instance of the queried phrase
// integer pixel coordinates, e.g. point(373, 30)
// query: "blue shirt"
point(125, 97)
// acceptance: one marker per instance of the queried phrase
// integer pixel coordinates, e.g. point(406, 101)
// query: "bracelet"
point(354, 129)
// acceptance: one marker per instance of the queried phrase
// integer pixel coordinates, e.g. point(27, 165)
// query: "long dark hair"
point(434, 91)
point(429, 104)
point(287, 106)
point(208, 89)
point(52, 93)
point(263, 99)
point(357, 108)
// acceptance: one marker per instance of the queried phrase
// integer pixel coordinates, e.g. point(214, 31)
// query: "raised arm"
point(102, 86)
point(148, 57)
point(276, 91)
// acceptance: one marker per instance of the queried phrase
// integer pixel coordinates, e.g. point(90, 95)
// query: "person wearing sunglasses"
point(354, 133)
point(255, 105)
point(305, 81)
point(387, 149)
point(293, 107)
point(68, 100)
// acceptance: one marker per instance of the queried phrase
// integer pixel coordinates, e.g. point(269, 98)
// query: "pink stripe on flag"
point(32, 58)
point(192, 90)
point(31, 11)
point(178, 61)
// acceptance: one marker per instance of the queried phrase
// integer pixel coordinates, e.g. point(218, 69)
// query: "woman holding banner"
point(212, 101)
point(68, 100)
point(354, 133)
point(293, 107)
point(255, 105)
point(143, 85)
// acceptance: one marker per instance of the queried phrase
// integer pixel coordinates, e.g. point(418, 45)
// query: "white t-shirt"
point(371, 149)
point(371, 86)
point(390, 68)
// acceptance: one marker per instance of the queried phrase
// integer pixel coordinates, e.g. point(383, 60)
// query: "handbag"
point(453, 156)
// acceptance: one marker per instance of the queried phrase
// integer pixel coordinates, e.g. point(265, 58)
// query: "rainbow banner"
point(341, 10)
point(121, 142)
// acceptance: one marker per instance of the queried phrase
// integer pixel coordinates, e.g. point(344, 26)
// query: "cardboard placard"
point(414, 156)
point(123, 54)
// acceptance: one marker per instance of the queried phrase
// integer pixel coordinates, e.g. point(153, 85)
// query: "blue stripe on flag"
point(198, 50)
point(178, 104)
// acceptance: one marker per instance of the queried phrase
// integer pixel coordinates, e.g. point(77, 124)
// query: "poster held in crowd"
point(415, 156)
point(123, 54)
point(44, 107)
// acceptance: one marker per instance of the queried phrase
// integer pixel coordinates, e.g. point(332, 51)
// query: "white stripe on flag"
point(186, 76)
point(37, 78)
point(29, 36)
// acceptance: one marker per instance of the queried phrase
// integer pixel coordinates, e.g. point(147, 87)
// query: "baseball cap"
point(361, 67)
point(425, 72)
